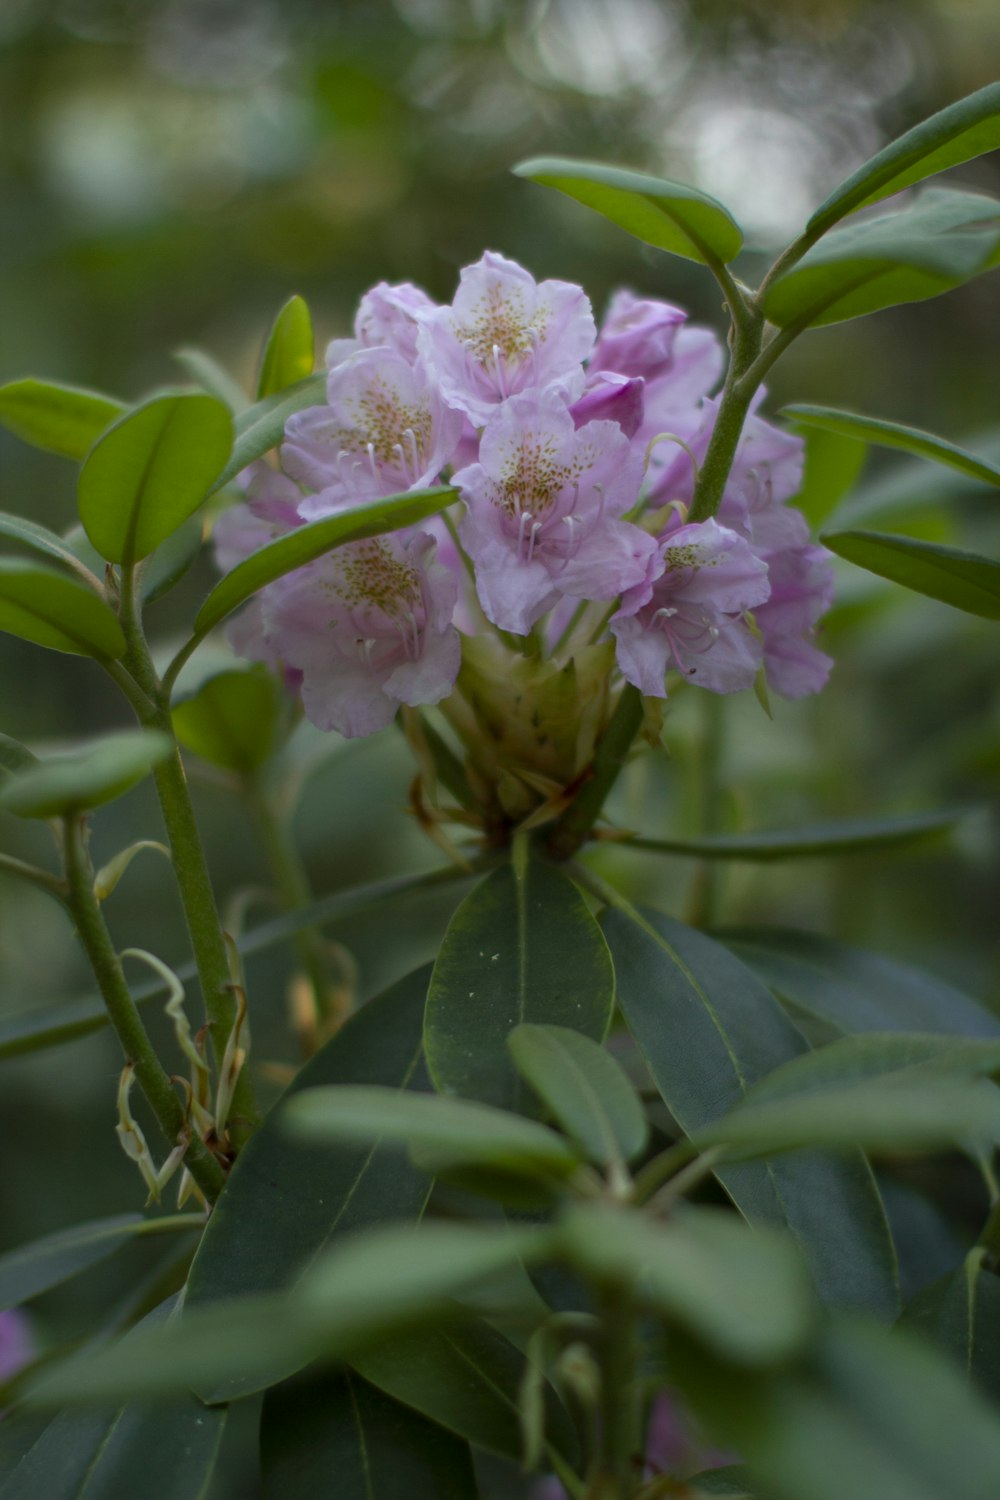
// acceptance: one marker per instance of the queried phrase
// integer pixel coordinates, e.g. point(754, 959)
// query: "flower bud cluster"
point(575, 452)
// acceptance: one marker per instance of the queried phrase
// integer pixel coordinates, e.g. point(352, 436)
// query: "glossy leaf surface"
point(846, 836)
point(961, 1313)
point(46, 607)
point(232, 720)
point(59, 418)
point(884, 434)
point(151, 471)
point(289, 351)
point(261, 427)
point(40, 539)
point(73, 783)
point(584, 1089)
point(669, 215)
point(709, 1031)
point(521, 947)
point(943, 239)
point(32, 1269)
point(962, 579)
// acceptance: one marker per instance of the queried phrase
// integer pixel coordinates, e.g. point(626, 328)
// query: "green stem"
point(705, 889)
point(615, 1474)
point(104, 961)
point(292, 885)
point(746, 338)
point(42, 878)
point(572, 829)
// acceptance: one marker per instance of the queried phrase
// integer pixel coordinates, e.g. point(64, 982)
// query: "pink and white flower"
point(801, 592)
point(387, 315)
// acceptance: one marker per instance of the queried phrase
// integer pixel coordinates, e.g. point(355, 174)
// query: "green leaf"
point(959, 578)
point(942, 240)
point(337, 1435)
point(32, 1269)
point(853, 990)
point(206, 372)
point(873, 1415)
point(70, 784)
point(59, 418)
point(14, 757)
point(370, 1287)
point(468, 1379)
point(284, 1204)
point(158, 573)
point(675, 983)
point(151, 471)
point(306, 543)
point(261, 427)
point(445, 1132)
point(232, 720)
point(735, 1480)
point(744, 1291)
point(845, 836)
point(961, 1314)
point(832, 465)
point(52, 610)
point(669, 215)
point(521, 947)
point(956, 134)
point(41, 539)
point(892, 435)
point(289, 352)
point(164, 1452)
point(584, 1088)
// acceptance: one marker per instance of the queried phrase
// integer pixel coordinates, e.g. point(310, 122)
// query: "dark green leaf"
point(289, 351)
point(14, 757)
point(306, 543)
point(73, 783)
point(468, 1379)
point(854, 990)
point(942, 240)
point(52, 610)
point(744, 1291)
point(206, 372)
point(521, 947)
point(853, 1059)
point(445, 1132)
point(708, 1031)
point(960, 578)
point(151, 471)
point(34, 1268)
point(584, 1088)
point(669, 215)
point(956, 134)
point(961, 1314)
point(846, 836)
point(232, 720)
point(832, 465)
point(59, 418)
point(873, 1415)
point(261, 427)
point(40, 539)
point(284, 1204)
point(891, 435)
point(338, 1436)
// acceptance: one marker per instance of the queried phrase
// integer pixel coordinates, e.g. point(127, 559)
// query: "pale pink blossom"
point(387, 315)
point(637, 336)
point(801, 593)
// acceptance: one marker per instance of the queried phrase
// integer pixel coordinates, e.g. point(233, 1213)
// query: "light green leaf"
point(669, 215)
point(68, 784)
point(151, 471)
point(289, 352)
point(853, 990)
point(892, 435)
point(205, 370)
point(961, 1314)
point(261, 427)
point(961, 579)
point(845, 836)
point(942, 240)
point(158, 573)
point(59, 418)
point(873, 1414)
point(468, 1379)
point(32, 1269)
point(447, 1132)
point(284, 1203)
point(953, 135)
point(52, 610)
point(337, 1435)
point(744, 1291)
point(521, 947)
point(306, 543)
point(48, 543)
point(584, 1088)
point(674, 982)
point(832, 464)
point(232, 720)
point(14, 757)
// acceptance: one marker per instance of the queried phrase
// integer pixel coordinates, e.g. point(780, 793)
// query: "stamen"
point(501, 372)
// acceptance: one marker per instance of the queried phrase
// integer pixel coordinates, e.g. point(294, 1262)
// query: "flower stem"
point(746, 338)
point(614, 1475)
point(104, 961)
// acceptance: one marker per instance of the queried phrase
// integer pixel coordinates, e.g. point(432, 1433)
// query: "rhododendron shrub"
point(585, 1207)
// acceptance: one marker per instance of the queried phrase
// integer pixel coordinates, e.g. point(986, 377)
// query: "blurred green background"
point(171, 172)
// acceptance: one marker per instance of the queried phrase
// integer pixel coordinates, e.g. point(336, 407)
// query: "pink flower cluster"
point(575, 452)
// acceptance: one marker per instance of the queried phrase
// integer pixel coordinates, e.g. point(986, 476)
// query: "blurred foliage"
point(171, 172)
